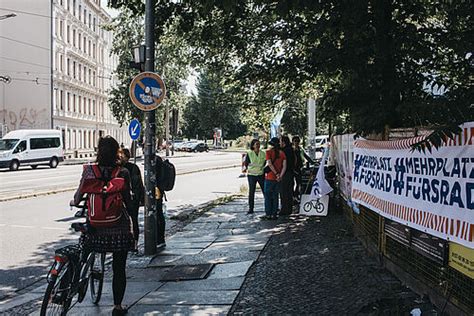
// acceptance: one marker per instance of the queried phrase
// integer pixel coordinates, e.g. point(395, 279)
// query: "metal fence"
point(446, 281)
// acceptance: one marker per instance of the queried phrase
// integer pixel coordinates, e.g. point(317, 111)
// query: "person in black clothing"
point(138, 192)
point(299, 162)
point(160, 217)
point(117, 239)
point(286, 185)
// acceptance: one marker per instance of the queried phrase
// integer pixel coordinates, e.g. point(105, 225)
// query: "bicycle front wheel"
point(56, 300)
point(97, 278)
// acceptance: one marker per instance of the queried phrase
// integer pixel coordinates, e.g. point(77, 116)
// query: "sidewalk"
point(295, 265)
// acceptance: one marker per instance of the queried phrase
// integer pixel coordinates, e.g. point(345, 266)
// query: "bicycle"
point(314, 204)
point(74, 268)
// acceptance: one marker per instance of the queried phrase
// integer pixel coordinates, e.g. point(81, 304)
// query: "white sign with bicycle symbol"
point(313, 206)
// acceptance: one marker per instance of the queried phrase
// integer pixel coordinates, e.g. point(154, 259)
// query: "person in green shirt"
point(254, 164)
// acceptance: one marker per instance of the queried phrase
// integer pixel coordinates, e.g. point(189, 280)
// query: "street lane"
point(29, 181)
point(30, 229)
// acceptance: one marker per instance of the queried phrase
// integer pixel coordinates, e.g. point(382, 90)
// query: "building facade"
point(80, 73)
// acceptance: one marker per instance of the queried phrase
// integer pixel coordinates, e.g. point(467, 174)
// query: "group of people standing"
point(276, 171)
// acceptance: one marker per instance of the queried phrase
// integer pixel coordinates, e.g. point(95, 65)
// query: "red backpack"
point(104, 202)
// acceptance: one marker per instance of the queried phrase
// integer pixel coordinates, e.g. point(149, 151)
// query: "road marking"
point(54, 228)
point(22, 226)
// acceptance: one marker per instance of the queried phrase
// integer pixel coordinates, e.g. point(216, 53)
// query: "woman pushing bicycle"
point(107, 186)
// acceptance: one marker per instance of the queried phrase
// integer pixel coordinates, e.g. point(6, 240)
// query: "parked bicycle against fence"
point(317, 205)
point(73, 270)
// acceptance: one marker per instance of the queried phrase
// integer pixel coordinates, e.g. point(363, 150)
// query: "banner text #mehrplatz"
point(432, 192)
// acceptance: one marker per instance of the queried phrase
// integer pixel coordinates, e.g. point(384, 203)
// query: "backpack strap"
point(115, 172)
point(96, 171)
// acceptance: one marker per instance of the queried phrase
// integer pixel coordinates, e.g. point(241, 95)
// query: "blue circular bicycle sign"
point(147, 91)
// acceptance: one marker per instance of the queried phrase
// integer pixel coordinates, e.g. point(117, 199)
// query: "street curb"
point(42, 193)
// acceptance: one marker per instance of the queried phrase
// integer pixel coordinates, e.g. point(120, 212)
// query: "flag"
point(320, 186)
point(275, 124)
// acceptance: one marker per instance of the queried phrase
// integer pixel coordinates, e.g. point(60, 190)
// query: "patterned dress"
point(109, 239)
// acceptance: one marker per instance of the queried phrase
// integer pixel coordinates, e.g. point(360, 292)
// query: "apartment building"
point(57, 56)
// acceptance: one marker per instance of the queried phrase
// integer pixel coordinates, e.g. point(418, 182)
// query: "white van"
point(321, 142)
point(31, 147)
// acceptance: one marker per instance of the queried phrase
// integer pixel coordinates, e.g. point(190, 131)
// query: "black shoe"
point(274, 217)
point(250, 212)
point(265, 217)
point(118, 312)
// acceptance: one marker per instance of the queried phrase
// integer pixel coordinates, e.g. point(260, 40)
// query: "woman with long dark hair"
point(254, 163)
point(276, 163)
point(118, 238)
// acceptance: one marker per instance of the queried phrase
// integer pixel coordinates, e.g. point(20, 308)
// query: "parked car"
point(32, 148)
point(198, 147)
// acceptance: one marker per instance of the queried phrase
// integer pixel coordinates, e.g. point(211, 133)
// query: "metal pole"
point(134, 145)
point(150, 127)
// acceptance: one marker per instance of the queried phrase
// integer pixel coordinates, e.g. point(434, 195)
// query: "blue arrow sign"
point(134, 129)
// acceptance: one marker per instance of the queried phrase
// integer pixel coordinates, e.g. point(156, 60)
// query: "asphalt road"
point(27, 181)
point(30, 229)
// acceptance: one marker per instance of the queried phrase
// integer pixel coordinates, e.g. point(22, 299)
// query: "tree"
point(213, 107)
point(172, 61)
point(369, 62)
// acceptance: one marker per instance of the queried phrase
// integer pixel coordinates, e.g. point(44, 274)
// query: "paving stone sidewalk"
point(295, 265)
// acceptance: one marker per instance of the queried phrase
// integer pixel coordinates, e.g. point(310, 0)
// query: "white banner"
point(432, 192)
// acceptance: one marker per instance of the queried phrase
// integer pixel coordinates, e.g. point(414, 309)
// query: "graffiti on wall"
point(25, 118)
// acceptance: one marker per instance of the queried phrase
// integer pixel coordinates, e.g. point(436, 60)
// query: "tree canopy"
point(370, 64)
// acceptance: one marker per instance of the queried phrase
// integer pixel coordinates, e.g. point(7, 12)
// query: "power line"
point(47, 16)
point(25, 43)
point(25, 62)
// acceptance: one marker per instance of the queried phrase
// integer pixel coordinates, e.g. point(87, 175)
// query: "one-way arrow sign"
point(134, 129)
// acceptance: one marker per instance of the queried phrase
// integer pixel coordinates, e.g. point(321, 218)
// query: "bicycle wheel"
point(319, 207)
point(56, 300)
point(307, 206)
point(97, 278)
point(85, 276)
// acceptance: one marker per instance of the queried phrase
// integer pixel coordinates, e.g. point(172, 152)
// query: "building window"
point(84, 78)
point(74, 103)
point(93, 78)
point(68, 67)
point(74, 38)
point(68, 4)
point(61, 100)
point(74, 7)
point(93, 107)
point(61, 62)
point(93, 51)
point(68, 34)
point(94, 25)
point(84, 46)
point(79, 37)
point(61, 29)
point(79, 101)
point(80, 11)
point(74, 69)
point(90, 76)
point(89, 106)
point(90, 20)
point(85, 16)
point(89, 48)
point(69, 101)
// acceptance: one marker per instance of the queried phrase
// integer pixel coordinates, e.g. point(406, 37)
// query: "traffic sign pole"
point(150, 130)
